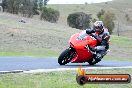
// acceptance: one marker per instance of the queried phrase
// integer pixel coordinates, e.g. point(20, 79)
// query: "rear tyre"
point(91, 61)
point(66, 56)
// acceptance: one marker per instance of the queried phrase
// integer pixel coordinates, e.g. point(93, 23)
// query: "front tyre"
point(65, 57)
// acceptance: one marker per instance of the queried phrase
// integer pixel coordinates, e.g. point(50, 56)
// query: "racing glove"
point(89, 31)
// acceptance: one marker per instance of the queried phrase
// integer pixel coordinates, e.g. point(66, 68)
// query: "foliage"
point(12, 6)
point(109, 21)
point(108, 18)
point(45, 2)
point(94, 20)
point(27, 8)
point(50, 15)
point(127, 17)
point(79, 20)
point(40, 5)
point(35, 7)
point(99, 14)
point(4, 4)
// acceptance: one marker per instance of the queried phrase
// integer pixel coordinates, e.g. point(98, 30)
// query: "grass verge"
point(121, 41)
point(47, 53)
point(116, 58)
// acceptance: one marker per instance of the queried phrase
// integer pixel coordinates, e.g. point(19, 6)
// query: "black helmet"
point(98, 26)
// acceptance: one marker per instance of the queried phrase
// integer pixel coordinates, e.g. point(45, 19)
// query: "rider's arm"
point(104, 44)
point(89, 31)
point(105, 40)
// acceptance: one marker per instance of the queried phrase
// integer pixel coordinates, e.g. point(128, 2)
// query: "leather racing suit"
point(103, 43)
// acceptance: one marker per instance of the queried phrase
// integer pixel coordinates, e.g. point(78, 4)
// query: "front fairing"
point(80, 40)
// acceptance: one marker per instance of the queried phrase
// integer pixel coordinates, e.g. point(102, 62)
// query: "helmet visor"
point(97, 29)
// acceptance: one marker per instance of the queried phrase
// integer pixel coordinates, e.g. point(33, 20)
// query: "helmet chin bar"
point(99, 30)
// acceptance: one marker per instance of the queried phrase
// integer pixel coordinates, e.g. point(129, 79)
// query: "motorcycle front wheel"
point(66, 56)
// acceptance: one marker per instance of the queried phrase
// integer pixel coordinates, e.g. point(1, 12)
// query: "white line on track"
point(60, 69)
point(67, 69)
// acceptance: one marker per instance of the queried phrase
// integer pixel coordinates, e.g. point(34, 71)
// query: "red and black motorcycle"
point(78, 52)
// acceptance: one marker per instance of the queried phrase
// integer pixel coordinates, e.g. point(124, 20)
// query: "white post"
point(0, 1)
point(1, 9)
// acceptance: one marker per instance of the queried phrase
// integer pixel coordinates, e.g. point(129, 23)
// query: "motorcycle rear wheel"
point(66, 56)
point(91, 61)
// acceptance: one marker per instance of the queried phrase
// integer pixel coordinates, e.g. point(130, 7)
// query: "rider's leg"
point(99, 55)
point(98, 52)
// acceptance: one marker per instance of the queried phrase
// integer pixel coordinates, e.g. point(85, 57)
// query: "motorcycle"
point(79, 51)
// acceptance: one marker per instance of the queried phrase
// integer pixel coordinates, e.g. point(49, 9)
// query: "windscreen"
point(82, 35)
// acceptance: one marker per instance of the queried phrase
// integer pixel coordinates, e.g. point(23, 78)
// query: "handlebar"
point(93, 36)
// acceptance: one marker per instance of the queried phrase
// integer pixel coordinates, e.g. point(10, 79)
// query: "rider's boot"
point(98, 57)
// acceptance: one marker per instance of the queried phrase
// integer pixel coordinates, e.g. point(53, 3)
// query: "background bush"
point(79, 20)
point(50, 15)
point(108, 20)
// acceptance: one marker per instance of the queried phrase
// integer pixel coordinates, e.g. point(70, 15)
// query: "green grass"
point(47, 53)
point(57, 80)
point(121, 41)
point(116, 58)
point(123, 48)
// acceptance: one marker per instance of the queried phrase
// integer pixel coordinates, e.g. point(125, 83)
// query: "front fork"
point(72, 50)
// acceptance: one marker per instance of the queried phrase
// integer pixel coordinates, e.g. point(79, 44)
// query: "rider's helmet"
point(98, 27)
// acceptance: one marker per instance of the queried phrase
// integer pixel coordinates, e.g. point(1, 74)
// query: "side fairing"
point(83, 54)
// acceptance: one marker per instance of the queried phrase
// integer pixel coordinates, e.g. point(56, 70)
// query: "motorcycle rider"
point(102, 35)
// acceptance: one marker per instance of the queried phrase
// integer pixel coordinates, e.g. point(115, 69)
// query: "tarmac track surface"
point(33, 63)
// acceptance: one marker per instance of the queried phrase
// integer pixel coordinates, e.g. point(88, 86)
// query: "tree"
point(40, 5)
point(4, 5)
point(35, 7)
point(45, 2)
point(27, 8)
point(12, 6)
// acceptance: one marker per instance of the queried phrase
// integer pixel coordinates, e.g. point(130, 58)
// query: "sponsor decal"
point(83, 78)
